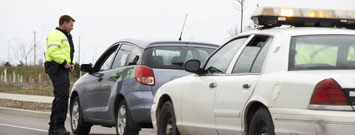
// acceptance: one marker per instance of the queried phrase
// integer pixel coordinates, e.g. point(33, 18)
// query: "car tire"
point(167, 120)
point(78, 126)
point(123, 120)
point(261, 123)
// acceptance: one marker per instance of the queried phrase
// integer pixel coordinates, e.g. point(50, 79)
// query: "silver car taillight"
point(144, 75)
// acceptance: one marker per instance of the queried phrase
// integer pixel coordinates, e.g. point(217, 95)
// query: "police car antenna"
point(183, 26)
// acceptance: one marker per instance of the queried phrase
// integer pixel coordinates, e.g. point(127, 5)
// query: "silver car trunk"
point(163, 76)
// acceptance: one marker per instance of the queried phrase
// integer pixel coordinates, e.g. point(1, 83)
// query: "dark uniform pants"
point(61, 84)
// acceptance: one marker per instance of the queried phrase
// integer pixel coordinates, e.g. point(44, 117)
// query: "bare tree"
point(40, 51)
point(241, 2)
point(37, 47)
point(21, 50)
point(233, 31)
point(21, 53)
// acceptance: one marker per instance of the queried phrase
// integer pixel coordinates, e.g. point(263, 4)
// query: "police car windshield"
point(322, 52)
point(173, 57)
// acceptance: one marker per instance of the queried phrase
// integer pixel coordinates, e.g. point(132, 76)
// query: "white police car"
point(271, 81)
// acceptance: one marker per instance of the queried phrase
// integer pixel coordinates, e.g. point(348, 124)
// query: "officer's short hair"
point(65, 18)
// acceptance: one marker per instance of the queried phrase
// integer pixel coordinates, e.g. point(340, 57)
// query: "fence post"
point(5, 77)
point(18, 78)
point(14, 77)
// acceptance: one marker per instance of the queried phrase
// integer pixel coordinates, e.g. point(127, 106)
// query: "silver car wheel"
point(121, 120)
point(75, 115)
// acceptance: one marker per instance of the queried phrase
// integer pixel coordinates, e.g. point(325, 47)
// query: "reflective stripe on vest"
point(54, 45)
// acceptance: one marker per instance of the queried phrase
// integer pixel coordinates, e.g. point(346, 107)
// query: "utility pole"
point(79, 51)
point(34, 48)
point(241, 2)
point(241, 15)
point(8, 50)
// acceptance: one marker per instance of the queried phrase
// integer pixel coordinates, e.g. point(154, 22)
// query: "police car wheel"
point(261, 123)
point(167, 120)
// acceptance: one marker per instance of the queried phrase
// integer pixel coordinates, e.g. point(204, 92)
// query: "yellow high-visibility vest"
point(58, 47)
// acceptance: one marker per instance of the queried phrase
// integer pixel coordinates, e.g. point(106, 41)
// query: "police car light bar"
point(267, 17)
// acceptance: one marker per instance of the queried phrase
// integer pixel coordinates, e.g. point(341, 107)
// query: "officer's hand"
point(67, 66)
point(72, 68)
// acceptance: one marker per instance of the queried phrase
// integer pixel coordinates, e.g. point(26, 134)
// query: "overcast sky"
point(100, 23)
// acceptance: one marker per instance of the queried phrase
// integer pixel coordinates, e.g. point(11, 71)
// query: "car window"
point(322, 52)
point(136, 57)
point(351, 53)
point(253, 53)
point(172, 57)
point(189, 54)
point(107, 59)
point(219, 62)
point(122, 56)
point(167, 55)
point(259, 62)
point(204, 53)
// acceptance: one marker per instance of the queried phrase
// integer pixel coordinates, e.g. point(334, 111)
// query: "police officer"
point(59, 61)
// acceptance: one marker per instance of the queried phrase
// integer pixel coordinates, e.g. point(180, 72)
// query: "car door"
point(110, 77)
point(93, 97)
point(199, 93)
point(236, 88)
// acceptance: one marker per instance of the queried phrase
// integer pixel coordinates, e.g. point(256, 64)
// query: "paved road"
point(25, 125)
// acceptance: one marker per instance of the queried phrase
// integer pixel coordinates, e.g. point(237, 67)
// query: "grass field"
point(31, 84)
point(34, 89)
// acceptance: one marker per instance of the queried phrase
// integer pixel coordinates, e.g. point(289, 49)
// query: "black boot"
point(51, 130)
point(60, 131)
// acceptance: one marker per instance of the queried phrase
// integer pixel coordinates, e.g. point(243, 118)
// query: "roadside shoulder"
point(26, 98)
point(24, 113)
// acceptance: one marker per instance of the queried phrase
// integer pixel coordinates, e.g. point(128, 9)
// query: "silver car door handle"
point(114, 78)
point(213, 85)
point(246, 86)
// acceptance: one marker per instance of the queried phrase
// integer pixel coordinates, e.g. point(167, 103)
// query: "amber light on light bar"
point(275, 16)
point(304, 12)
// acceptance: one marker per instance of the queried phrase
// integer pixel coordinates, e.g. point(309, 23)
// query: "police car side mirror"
point(86, 68)
point(193, 66)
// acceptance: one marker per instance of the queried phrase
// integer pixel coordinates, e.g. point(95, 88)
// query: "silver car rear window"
point(173, 57)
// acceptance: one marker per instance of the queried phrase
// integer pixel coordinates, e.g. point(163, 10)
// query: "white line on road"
point(23, 127)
